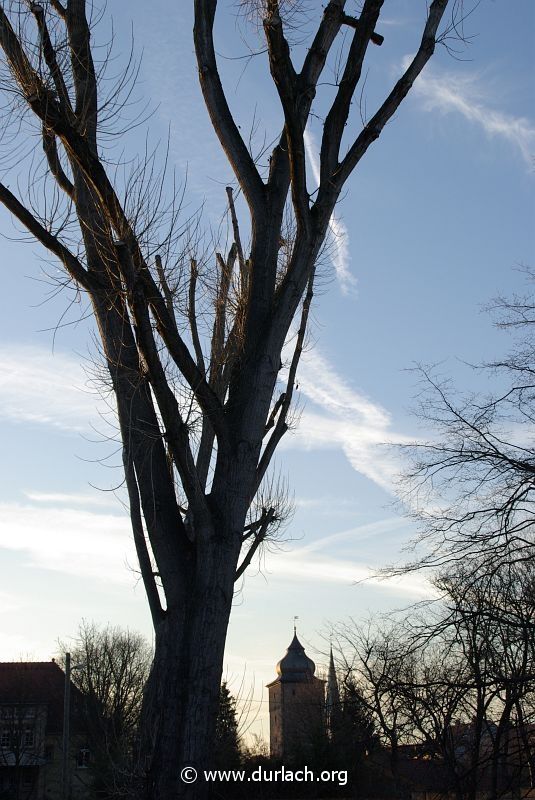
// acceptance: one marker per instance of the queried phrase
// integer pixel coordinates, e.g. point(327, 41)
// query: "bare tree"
point(489, 622)
point(472, 491)
point(201, 408)
point(379, 663)
point(454, 681)
point(111, 668)
point(471, 487)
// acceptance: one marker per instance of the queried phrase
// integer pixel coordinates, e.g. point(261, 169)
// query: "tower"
point(332, 698)
point(296, 704)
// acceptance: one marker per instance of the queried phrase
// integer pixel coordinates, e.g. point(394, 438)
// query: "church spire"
point(332, 697)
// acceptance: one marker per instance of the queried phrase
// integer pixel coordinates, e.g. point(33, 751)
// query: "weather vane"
point(295, 627)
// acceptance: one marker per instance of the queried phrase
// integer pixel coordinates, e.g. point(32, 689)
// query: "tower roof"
point(295, 666)
point(332, 699)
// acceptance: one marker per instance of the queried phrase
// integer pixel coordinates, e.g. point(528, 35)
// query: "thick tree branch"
point(217, 360)
point(50, 57)
point(353, 22)
point(83, 70)
point(50, 148)
point(216, 103)
point(192, 316)
point(217, 346)
point(205, 395)
point(313, 65)
point(376, 124)
point(24, 74)
point(285, 400)
point(75, 269)
point(338, 114)
point(237, 242)
point(288, 86)
point(168, 295)
point(259, 537)
point(319, 50)
point(175, 428)
point(145, 564)
point(60, 10)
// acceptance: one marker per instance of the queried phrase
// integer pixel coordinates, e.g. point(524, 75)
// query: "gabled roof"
point(37, 683)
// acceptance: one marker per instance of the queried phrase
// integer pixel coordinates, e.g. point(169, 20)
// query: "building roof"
point(295, 666)
point(37, 683)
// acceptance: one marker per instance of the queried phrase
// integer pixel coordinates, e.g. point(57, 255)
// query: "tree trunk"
point(498, 754)
point(182, 696)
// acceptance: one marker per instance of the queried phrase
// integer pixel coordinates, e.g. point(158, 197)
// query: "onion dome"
point(296, 666)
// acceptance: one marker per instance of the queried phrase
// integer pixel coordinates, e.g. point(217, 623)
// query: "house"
point(31, 735)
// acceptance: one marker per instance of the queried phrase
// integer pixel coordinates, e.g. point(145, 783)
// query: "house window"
point(82, 761)
point(5, 739)
point(29, 737)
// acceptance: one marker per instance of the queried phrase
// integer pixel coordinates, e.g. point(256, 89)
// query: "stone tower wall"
point(296, 714)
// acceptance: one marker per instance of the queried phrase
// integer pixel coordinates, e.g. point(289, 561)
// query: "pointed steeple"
point(332, 695)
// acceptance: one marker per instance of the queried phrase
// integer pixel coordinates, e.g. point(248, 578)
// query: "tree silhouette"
point(193, 344)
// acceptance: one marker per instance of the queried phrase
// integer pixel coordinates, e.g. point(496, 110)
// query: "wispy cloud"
point(99, 499)
point(340, 256)
point(383, 528)
point(449, 92)
point(315, 564)
point(345, 418)
point(328, 505)
point(40, 387)
point(72, 541)
point(331, 570)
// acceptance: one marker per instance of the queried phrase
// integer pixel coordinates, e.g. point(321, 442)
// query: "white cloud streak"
point(382, 528)
point(71, 541)
point(37, 386)
point(91, 545)
point(345, 418)
point(341, 258)
point(448, 92)
point(305, 565)
point(99, 499)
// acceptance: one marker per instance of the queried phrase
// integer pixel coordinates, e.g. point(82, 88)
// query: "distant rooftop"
point(37, 683)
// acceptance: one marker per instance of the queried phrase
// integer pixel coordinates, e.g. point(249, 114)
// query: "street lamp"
point(65, 747)
point(65, 772)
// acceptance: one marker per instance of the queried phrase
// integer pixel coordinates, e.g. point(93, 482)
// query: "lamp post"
point(65, 772)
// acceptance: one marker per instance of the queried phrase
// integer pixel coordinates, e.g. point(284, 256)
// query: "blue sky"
point(435, 221)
